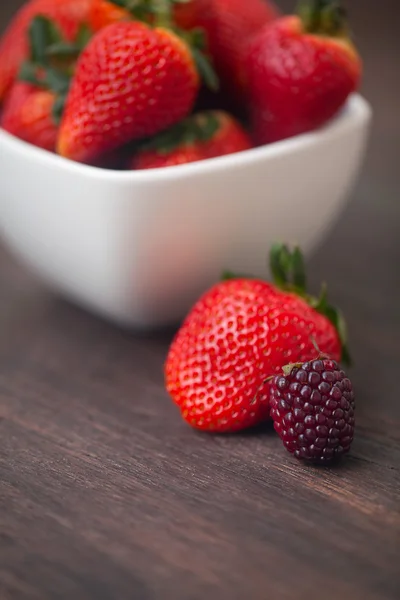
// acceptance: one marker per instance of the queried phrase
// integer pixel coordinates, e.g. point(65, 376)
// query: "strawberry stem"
point(288, 269)
point(289, 274)
point(160, 13)
point(324, 17)
point(154, 12)
point(197, 128)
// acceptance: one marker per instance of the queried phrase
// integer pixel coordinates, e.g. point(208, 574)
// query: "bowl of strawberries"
point(147, 146)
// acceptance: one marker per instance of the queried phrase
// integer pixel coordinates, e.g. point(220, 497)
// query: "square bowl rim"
point(356, 112)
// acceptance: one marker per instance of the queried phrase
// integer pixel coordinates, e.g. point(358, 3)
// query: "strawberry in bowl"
point(202, 136)
point(191, 194)
point(300, 70)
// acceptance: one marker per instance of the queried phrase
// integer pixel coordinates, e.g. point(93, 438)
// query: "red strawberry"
point(69, 15)
point(34, 105)
point(27, 114)
point(300, 71)
point(105, 13)
point(186, 14)
point(241, 332)
point(131, 82)
point(228, 25)
point(200, 136)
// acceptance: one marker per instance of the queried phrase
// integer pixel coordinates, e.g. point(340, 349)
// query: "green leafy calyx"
point(156, 12)
point(52, 58)
point(288, 271)
point(324, 17)
point(160, 13)
point(196, 129)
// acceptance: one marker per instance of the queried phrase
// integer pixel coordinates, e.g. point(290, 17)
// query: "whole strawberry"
point(34, 105)
point(300, 71)
point(203, 135)
point(312, 405)
point(68, 15)
point(131, 82)
point(241, 332)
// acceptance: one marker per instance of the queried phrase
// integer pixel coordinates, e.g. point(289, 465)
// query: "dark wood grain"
point(106, 495)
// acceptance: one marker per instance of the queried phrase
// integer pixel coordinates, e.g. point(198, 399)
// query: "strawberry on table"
point(34, 105)
point(131, 82)
point(204, 135)
point(241, 332)
point(68, 15)
point(300, 71)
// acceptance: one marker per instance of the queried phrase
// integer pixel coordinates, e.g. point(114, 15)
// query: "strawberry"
point(105, 13)
point(227, 24)
point(131, 82)
point(34, 106)
point(240, 333)
point(68, 15)
point(186, 13)
point(300, 71)
point(200, 136)
point(27, 114)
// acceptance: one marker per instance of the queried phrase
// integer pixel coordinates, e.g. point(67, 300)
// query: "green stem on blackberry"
point(324, 17)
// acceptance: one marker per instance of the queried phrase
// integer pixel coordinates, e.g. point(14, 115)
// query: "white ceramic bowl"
point(139, 247)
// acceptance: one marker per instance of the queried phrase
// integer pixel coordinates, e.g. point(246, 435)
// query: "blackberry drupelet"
point(312, 405)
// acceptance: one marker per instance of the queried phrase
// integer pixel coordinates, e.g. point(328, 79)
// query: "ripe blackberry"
point(312, 405)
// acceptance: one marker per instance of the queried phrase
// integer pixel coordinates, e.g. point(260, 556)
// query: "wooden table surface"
point(106, 495)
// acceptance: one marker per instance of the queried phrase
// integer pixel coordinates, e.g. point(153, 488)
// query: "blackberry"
point(312, 405)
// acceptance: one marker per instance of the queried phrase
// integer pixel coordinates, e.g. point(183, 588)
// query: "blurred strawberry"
point(27, 114)
point(68, 15)
point(200, 136)
point(115, 100)
point(300, 71)
point(186, 13)
point(227, 25)
point(34, 105)
point(104, 12)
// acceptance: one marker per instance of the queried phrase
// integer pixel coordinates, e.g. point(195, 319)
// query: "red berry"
point(207, 134)
point(300, 72)
point(312, 405)
point(27, 114)
point(228, 25)
point(238, 334)
point(104, 13)
point(34, 105)
point(68, 15)
point(131, 82)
